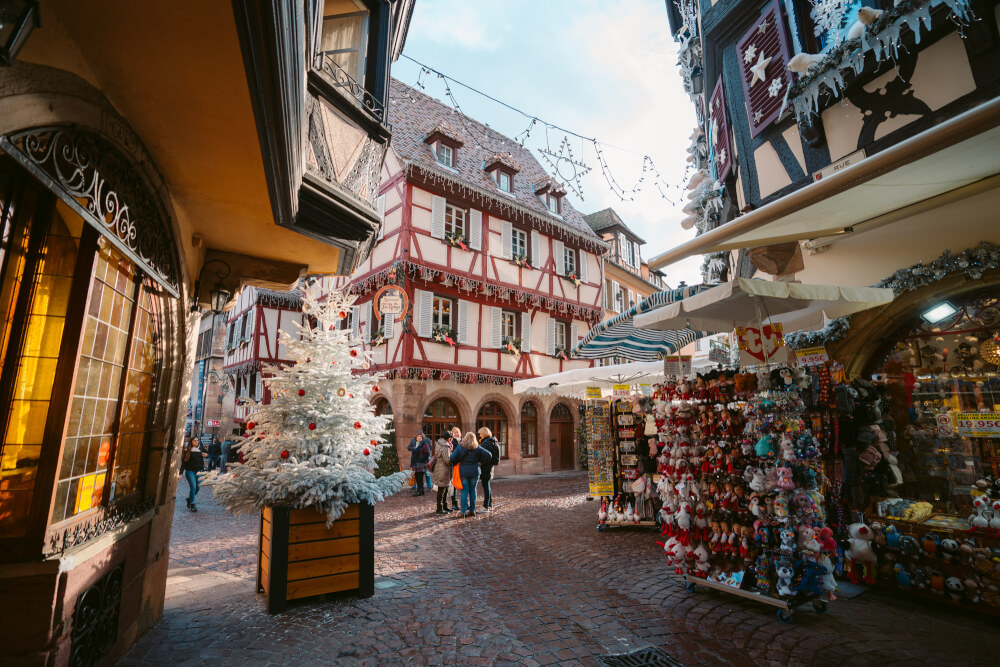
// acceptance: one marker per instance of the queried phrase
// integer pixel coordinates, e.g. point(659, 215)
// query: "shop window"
point(529, 430)
point(492, 416)
point(440, 417)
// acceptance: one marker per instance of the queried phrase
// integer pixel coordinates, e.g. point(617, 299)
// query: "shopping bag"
point(412, 481)
point(456, 479)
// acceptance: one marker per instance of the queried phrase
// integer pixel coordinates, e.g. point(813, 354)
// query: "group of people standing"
point(474, 458)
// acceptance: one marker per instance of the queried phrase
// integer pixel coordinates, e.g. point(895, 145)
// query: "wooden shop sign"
point(390, 300)
point(978, 424)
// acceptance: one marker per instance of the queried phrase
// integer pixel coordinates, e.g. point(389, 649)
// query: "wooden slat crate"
point(300, 557)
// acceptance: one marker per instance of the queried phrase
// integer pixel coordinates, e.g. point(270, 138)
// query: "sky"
point(604, 69)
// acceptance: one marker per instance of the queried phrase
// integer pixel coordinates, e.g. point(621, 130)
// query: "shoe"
point(440, 511)
point(420, 493)
point(194, 508)
point(188, 501)
point(448, 510)
point(461, 515)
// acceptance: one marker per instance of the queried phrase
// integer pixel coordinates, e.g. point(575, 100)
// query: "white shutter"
point(388, 326)
point(507, 242)
point(475, 229)
point(550, 336)
point(574, 336)
point(526, 332)
point(615, 291)
point(638, 261)
point(559, 249)
point(425, 312)
point(258, 390)
point(582, 261)
point(366, 315)
point(536, 249)
point(355, 322)
point(463, 322)
point(381, 217)
point(437, 217)
point(496, 326)
point(631, 298)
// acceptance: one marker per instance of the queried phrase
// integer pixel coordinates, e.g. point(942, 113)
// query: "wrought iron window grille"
point(340, 79)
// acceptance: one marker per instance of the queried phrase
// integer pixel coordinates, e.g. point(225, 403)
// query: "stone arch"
point(505, 401)
point(873, 332)
point(466, 418)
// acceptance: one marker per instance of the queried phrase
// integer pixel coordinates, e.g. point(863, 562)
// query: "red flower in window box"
point(573, 278)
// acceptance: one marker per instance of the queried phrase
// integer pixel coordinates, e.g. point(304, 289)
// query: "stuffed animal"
point(785, 571)
point(891, 537)
point(701, 561)
point(785, 479)
point(602, 514)
point(829, 582)
point(860, 557)
point(948, 549)
point(995, 519)
point(787, 539)
point(955, 588)
point(807, 539)
point(902, 578)
point(781, 508)
point(811, 577)
point(826, 540)
point(801, 63)
point(909, 546)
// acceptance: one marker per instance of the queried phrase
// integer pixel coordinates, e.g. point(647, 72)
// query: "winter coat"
point(469, 460)
point(491, 446)
point(420, 454)
point(441, 472)
point(194, 461)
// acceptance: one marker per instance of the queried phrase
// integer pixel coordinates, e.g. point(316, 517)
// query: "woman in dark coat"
point(489, 443)
point(192, 463)
point(468, 457)
point(420, 454)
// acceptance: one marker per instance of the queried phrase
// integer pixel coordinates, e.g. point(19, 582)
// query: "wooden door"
point(561, 434)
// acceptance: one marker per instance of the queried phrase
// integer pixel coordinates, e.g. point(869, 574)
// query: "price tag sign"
point(646, 389)
point(593, 392)
point(674, 366)
point(978, 424)
point(812, 356)
point(620, 390)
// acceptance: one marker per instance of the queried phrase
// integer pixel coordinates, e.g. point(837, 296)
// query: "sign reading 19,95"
point(978, 424)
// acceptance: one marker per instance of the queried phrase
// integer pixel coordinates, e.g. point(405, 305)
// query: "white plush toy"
point(803, 62)
point(861, 543)
point(866, 16)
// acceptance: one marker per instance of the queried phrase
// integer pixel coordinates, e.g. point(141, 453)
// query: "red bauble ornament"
point(374, 443)
point(357, 424)
point(350, 395)
point(302, 392)
point(342, 315)
point(285, 454)
point(312, 427)
point(354, 353)
point(251, 426)
point(367, 452)
point(375, 388)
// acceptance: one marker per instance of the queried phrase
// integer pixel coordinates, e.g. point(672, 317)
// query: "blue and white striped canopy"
point(618, 337)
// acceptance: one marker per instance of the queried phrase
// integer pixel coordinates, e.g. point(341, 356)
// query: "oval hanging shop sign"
point(390, 300)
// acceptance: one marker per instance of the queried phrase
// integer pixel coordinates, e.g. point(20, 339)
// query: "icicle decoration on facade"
point(882, 39)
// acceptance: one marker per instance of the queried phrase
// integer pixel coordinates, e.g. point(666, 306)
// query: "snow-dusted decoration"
point(568, 170)
point(774, 89)
point(318, 441)
point(829, 17)
point(769, 42)
point(719, 126)
point(881, 39)
point(750, 54)
point(689, 49)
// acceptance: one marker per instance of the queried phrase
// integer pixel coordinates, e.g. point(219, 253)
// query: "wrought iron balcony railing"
point(351, 89)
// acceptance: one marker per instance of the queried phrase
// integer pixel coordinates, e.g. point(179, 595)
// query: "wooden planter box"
point(300, 557)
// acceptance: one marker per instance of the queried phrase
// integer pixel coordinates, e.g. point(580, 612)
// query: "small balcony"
point(338, 79)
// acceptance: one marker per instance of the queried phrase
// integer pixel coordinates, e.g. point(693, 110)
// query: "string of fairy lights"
point(567, 169)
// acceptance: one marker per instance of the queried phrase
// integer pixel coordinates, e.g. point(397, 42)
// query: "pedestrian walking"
point(420, 453)
point(192, 463)
point(469, 456)
point(441, 472)
point(214, 454)
point(227, 447)
point(456, 442)
point(488, 443)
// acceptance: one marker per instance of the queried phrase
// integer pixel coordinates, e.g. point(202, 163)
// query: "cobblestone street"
point(532, 583)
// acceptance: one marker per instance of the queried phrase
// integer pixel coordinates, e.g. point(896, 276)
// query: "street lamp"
point(218, 295)
point(17, 19)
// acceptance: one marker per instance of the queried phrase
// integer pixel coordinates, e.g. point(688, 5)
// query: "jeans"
point(430, 483)
point(224, 465)
point(469, 493)
point(487, 491)
point(192, 479)
point(213, 461)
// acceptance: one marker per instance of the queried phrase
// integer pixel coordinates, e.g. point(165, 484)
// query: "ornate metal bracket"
point(94, 179)
point(83, 532)
point(95, 618)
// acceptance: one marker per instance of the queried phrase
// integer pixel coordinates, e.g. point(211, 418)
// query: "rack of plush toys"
point(741, 478)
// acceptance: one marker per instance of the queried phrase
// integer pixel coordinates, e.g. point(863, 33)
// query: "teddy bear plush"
point(860, 557)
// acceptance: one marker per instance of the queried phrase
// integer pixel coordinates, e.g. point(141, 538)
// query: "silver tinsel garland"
point(972, 263)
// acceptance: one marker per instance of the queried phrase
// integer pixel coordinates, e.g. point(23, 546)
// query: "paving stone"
point(532, 583)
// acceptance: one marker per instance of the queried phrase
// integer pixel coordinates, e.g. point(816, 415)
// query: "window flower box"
point(573, 278)
point(522, 261)
point(445, 335)
point(562, 352)
point(456, 239)
point(512, 345)
point(378, 338)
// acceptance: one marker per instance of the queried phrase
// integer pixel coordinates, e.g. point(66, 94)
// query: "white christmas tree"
point(316, 444)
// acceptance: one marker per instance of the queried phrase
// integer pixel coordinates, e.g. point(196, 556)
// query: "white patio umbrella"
point(748, 302)
point(574, 383)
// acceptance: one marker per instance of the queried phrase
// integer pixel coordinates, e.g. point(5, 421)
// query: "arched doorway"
point(529, 430)
point(493, 417)
point(440, 417)
point(561, 434)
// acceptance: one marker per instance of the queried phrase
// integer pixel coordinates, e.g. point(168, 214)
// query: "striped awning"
point(618, 337)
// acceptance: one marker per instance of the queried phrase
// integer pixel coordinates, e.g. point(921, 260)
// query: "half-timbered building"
point(502, 276)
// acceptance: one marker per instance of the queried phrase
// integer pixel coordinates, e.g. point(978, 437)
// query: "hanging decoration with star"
point(763, 52)
point(567, 169)
point(718, 123)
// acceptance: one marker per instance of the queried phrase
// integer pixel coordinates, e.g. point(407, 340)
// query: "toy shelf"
point(785, 607)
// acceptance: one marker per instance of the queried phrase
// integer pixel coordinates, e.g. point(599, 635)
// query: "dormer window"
point(501, 167)
point(550, 193)
point(503, 181)
point(445, 155)
point(552, 202)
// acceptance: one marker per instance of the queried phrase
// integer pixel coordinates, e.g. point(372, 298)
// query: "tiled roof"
point(607, 219)
point(414, 115)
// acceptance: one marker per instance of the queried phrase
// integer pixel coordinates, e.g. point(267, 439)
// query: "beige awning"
point(748, 302)
point(953, 158)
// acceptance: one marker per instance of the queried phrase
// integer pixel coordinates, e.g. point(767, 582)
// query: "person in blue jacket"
point(469, 456)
